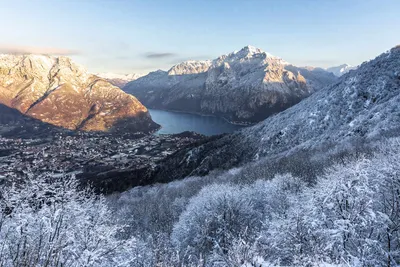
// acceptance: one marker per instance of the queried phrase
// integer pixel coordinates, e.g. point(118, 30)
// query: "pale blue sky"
point(142, 35)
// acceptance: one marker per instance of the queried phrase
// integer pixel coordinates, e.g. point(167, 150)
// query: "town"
point(66, 154)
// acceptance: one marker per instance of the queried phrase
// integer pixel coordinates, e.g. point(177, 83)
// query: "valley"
point(169, 148)
point(108, 163)
point(190, 144)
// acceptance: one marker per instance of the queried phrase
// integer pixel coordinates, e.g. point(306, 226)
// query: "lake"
point(177, 122)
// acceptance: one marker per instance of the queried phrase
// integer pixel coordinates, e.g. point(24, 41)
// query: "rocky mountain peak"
point(251, 52)
point(244, 86)
point(190, 67)
point(252, 49)
point(60, 92)
point(42, 67)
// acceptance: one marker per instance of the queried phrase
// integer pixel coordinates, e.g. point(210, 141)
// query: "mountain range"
point(282, 192)
point(362, 107)
point(244, 86)
point(57, 91)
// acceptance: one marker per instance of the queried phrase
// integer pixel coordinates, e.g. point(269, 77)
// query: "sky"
point(138, 36)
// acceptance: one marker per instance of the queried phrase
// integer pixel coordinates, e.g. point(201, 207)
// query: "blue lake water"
point(177, 122)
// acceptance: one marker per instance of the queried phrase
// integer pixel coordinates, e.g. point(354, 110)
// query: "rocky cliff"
point(55, 90)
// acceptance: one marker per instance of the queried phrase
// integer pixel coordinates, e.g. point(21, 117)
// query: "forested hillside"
point(350, 216)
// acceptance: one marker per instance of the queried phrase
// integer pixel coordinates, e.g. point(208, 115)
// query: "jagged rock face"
point(119, 80)
point(57, 91)
point(362, 107)
point(190, 67)
point(244, 86)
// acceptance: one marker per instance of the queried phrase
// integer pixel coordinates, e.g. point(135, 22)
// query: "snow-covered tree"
point(48, 222)
point(350, 217)
point(213, 220)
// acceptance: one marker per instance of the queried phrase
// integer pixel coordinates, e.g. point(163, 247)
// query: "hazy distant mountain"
point(57, 91)
point(363, 106)
point(340, 70)
point(119, 80)
point(244, 86)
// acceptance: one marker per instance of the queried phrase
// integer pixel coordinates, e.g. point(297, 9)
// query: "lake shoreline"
point(245, 124)
point(174, 121)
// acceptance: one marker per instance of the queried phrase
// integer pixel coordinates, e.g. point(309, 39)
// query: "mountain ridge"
point(244, 86)
point(55, 90)
point(361, 107)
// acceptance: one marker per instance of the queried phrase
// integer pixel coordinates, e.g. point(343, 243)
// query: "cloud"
point(20, 50)
point(159, 55)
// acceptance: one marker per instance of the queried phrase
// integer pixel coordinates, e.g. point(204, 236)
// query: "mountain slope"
point(119, 80)
point(362, 106)
point(244, 86)
point(16, 125)
point(57, 91)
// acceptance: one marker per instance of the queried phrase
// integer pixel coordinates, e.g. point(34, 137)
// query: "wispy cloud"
point(20, 50)
point(159, 55)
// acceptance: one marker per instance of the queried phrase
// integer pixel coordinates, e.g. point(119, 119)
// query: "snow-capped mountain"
point(363, 106)
point(244, 86)
point(119, 80)
point(190, 67)
point(58, 91)
point(340, 70)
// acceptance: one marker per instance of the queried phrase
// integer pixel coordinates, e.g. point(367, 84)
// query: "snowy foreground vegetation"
point(348, 216)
